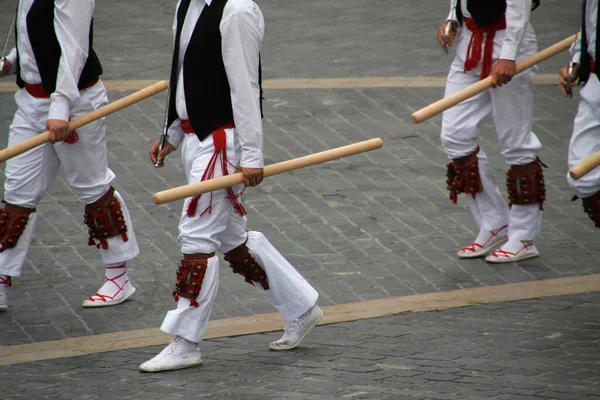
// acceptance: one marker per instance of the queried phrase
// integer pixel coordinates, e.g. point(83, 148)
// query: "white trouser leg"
point(12, 260)
point(512, 110)
point(191, 322)
point(585, 140)
point(86, 169)
point(491, 205)
point(460, 129)
point(288, 291)
point(28, 175)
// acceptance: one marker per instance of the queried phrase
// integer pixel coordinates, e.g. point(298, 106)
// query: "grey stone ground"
point(367, 227)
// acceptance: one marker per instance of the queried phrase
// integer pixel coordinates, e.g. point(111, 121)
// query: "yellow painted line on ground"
point(311, 83)
point(338, 313)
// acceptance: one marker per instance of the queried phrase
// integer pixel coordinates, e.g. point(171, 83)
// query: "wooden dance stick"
point(226, 181)
point(484, 84)
point(581, 169)
point(102, 112)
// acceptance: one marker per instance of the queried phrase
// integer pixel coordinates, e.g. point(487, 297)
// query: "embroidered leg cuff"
point(190, 276)
point(243, 263)
point(105, 219)
point(463, 176)
point(525, 184)
point(13, 220)
point(591, 206)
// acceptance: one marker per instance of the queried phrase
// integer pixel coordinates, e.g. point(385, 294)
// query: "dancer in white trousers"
point(490, 38)
point(585, 140)
point(58, 75)
point(215, 109)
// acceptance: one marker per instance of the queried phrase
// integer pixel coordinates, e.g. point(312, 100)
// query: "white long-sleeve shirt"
point(72, 20)
point(517, 16)
point(242, 29)
point(591, 21)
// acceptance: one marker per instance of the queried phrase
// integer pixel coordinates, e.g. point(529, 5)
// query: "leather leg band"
point(244, 264)
point(13, 220)
point(463, 176)
point(105, 219)
point(591, 206)
point(190, 275)
point(525, 184)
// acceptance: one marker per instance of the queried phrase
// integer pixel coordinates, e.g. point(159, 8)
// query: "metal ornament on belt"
point(3, 59)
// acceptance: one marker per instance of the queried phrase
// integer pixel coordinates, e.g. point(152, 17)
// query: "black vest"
point(586, 58)
point(47, 51)
point(206, 87)
point(485, 11)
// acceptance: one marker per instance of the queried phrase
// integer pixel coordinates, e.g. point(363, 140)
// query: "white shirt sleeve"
point(72, 21)
point(575, 50)
point(452, 16)
point(242, 31)
point(517, 18)
point(12, 57)
point(174, 133)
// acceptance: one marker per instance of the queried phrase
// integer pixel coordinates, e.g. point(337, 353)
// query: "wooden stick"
point(102, 112)
point(226, 181)
point(583, 168)
point(470, 91)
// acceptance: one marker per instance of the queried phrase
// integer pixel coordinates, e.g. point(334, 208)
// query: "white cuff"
point(12, 57)
point(251, 159)
point(175, 134)
point(509, 51)
point(576, 58)
point(59, 110)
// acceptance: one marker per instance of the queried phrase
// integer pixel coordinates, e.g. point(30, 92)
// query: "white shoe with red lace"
point(484, 243)
point(4, 285)
point(116, 289)
point(513, 250)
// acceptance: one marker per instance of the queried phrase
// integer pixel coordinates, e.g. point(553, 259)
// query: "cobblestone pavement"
point(537, 349)
point(367, 227)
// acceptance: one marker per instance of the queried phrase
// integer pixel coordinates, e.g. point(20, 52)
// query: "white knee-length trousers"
point(223, 230)
point(511, 108)
point(29, 175)
point(585, 140)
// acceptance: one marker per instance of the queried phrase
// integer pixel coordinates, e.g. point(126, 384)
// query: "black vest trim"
point(486, 11)
point(206, 86)
point(586, 57)
point(47, 50)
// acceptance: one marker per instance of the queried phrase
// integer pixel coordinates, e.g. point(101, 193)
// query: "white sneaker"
point(512, 251)
point(295, 331)
point(485, 242)
point(179, 354)
point(110, 294)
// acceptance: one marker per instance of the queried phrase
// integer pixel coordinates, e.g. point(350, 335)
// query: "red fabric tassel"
point(220, 142)
point(476, 42)
point(72, 138)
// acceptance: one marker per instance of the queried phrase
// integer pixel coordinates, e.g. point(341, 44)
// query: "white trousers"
point(511, 108)
point(222, 230)
point(29, 175)
point(585, 140)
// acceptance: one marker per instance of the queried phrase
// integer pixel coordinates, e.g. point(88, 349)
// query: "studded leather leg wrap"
point(591, 206)
point(463, 176)
point(105, 220)
point(190, 275)
point(244, 264)
point(13, 220)
point(525, 184)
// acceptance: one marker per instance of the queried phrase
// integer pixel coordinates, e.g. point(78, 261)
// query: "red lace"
point(508, 254)
point(472, 249)
point(474, 51)
point(103, 297)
